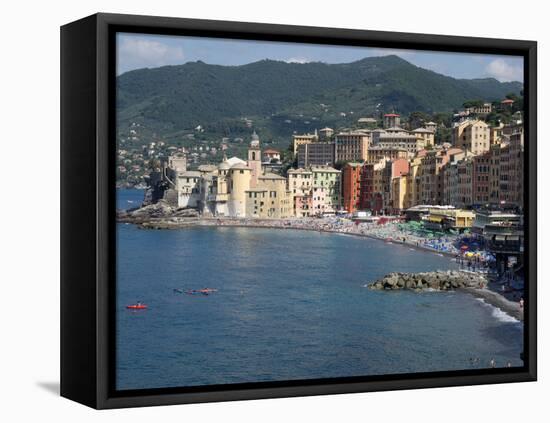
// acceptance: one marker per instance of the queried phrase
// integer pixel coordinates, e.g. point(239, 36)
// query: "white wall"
point(29, 288)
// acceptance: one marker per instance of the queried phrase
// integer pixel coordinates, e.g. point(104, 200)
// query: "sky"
point(135, 51)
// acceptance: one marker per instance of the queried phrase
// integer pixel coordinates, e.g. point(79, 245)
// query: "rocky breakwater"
point(160, 215)
point(438, 280)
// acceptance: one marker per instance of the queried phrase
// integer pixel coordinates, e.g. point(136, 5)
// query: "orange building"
point(351, 186)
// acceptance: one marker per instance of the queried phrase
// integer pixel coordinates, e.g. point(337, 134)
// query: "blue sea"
point(290, 305)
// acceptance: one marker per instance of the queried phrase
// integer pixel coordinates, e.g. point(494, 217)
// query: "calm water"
point(129, 198)
point(290, 305)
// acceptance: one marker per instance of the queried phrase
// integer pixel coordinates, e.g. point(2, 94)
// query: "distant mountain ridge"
point(175, 98)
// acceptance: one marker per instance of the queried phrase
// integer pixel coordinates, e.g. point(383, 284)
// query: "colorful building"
point(371, 192)
point(327, 179)
point(316, 154)
point(351, 146)
point(472, 135)
point(378, 152)
point(270, 198)
point(481, 171)
point(271, 155)
point(298, 140)
point(351, 186)
point(392, 120)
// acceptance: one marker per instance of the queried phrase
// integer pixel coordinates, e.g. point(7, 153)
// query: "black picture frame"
point(88, 209)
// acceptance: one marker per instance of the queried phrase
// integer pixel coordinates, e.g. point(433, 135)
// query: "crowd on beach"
point(391, 231)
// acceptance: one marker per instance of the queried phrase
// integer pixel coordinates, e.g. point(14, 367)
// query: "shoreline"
point(167, 223)
point(329, 231)
point(489, 296)
point(498, 301)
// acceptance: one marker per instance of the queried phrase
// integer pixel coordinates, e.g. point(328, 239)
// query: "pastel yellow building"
point(425, 136)
point(240, 178)
point(270, 198)
point(413, 187)
point(451, 218)
point(256, 204)
point(399, 197)
point(303, 139)
point(472, 135)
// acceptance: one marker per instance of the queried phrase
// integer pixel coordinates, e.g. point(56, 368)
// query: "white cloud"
point(504, 71)
point(300, 60)
point(135, 53)
point(391, 51)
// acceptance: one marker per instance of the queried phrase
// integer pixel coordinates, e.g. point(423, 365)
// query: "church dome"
point(255, 136)
point(224, 166)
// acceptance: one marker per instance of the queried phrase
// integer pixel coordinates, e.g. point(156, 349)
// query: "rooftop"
point(299, 170)
point(270, 175)
point(382, 148)
point(235, 160)
point(423, 131)
point(240, 166)
point(207, 168)
point(324, 169)
point(190, 174)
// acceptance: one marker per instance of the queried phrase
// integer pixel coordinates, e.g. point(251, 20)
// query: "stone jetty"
point(158, 215)
point(438, 280)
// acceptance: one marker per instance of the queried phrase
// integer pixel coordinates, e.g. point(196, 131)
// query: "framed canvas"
point(258, 211)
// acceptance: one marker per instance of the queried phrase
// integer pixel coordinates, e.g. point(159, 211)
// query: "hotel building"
point(351, 146)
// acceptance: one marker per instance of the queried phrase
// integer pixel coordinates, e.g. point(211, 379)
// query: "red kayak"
point(136, 306)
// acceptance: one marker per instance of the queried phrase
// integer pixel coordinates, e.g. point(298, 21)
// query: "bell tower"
point(254, 159)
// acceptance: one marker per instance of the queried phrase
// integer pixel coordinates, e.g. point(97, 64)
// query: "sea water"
point(289, 305)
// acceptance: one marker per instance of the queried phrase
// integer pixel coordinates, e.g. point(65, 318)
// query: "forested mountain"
point(286, 97)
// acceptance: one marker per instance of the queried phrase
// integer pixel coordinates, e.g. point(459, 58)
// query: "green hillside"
point(280, 98)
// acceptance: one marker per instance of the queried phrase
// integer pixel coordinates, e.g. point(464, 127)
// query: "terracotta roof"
point(391, 115)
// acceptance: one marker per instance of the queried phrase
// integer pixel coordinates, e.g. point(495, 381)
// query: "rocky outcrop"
point(159, 211)
point(438, 280)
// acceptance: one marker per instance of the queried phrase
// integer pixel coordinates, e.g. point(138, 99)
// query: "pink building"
point(303, 205)
point(318, 200)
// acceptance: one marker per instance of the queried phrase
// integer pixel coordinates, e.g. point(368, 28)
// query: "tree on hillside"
point(444, 119)
point(472, 103)
point(417, 119)
point(511, 96)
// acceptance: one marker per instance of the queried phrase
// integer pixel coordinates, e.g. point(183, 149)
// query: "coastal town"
point(462, 198)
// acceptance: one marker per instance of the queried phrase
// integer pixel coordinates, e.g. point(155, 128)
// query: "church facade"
point(234, 188)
